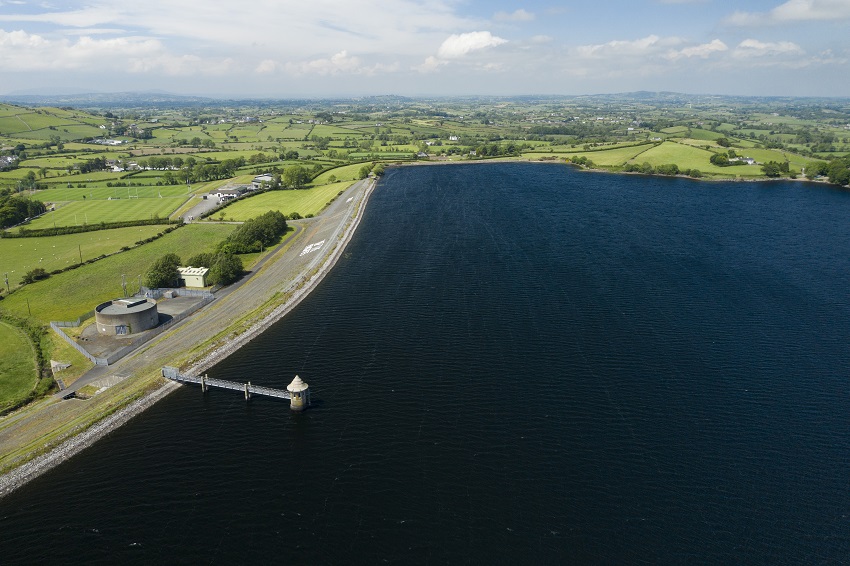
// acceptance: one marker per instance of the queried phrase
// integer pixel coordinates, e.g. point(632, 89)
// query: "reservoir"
point(512, 364)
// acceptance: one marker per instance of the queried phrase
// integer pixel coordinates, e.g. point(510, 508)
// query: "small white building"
point(227, 194)
point(257, 182)
point(193, 276)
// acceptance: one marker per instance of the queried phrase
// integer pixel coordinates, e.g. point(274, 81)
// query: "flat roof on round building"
point(126, 306)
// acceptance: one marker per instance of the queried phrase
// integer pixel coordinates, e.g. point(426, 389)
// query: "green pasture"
point(64, 194)
point(10, 125)
point(344, 173)
point(688, 157)
point(17, 366)
point(20, 255)
point(378, 154)
point(303, 201)
point(77, 213)
point(764, 155)
point(613, 157)
point(8, 110)
point(68, 295)
point(330, 131)
point(700, 134)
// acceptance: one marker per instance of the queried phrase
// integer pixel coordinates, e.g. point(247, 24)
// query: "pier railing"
point(205, 382)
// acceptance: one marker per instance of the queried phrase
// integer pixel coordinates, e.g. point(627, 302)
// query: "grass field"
point(19, 255)
point(68, 295)
point(77, 213)
point(344, 173)
point(613, 157)
point(687, 157)
point(17, 366)
point(304, 201)
point(64, 194)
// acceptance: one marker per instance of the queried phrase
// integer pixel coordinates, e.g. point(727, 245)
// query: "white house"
point(257, 182)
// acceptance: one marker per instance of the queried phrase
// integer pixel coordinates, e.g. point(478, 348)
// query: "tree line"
point(14, 209)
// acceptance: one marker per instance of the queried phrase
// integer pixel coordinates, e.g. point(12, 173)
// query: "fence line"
point(147, 336)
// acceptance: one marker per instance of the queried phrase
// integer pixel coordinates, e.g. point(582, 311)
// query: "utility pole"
point(28, 306)
point(8, 290)
point(80, 249)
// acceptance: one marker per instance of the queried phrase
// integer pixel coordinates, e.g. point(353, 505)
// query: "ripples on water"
point(516, 363)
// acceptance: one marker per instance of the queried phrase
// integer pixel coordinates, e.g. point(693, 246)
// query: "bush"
point(34, 275)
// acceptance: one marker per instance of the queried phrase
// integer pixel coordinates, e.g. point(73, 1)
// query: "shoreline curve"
point(302, 285)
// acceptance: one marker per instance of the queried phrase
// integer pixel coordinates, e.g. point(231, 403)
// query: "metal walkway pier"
point(205, 382)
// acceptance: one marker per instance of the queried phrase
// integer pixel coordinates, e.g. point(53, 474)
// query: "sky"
point(344, 48)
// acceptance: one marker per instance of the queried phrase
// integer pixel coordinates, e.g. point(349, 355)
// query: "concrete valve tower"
point(299, 393)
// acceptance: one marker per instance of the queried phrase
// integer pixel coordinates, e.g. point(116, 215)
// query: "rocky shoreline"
point(301, 287)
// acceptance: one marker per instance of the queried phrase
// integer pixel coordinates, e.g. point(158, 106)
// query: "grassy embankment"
point(18, 374)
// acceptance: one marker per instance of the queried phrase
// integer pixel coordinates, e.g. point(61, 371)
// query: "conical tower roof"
point(296, 385)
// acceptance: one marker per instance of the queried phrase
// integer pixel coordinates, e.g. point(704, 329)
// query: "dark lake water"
point(514, 364)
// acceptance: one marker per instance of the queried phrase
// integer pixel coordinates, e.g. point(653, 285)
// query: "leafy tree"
point(201, 260)
point(378, 169)
point(723, 142)
point(163, 272)
point(364, 172)
point(771, 169)
point(839, 171)
point(720, 159)
point(225, 268)
point(667, 169)
point(294, 177)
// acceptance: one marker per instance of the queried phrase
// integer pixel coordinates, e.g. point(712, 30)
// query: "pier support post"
point(247, 392)
point(204, 386)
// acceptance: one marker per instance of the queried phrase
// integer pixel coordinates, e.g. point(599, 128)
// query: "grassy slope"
point(305, 201)
point(19, 255)
point(68, 295)
point(17, 365)
point(687, 157)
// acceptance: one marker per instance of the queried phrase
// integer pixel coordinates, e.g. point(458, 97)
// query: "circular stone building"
point(125, 316)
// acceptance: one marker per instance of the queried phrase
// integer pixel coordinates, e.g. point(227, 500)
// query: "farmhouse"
point(227, 194)
point(193, 276)
point(259, 180)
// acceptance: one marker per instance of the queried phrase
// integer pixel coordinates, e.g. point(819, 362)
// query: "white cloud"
point(637, 47)
point(755, 48)
point(794, 11)
point(21, 51)
point(430, 65)
point(458, 45)
point(517, 16)
point(266, 66)
point(703, 51)
point(339, 63)
point(541, 39)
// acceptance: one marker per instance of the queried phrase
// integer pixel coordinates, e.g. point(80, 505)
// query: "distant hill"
point(113, 99)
